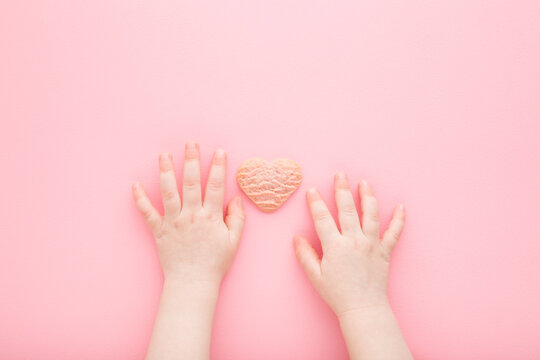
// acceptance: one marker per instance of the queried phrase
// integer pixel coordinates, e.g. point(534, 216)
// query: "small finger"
point(150, 214)
point(215, 186)
point(191, 184)
point(370, 211)
point(235, 219)
point(347, 215)
point(169, 188)
point(325, 225)
point(392, 234)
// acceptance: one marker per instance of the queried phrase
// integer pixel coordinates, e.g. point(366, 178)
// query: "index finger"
point(325, 226)
point(215, 186)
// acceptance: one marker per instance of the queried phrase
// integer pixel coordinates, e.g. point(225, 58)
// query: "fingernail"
point(401, 207)
point(220, 153)
point(165, 161)
point(191, 145)
point(366, 188)
point(136, 189)
point(341, 180)
point(312, 194)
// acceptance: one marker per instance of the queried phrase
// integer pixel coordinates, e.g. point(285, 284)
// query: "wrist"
point(364, 310)
point(196, 297)
point(192, 276)
point(191, 293)
point(372, 332)
point(191, 284)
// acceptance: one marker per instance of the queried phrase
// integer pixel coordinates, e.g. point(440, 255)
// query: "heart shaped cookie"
point(269, 184)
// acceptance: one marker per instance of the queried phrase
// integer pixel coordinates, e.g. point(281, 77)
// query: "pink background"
point(435, 103)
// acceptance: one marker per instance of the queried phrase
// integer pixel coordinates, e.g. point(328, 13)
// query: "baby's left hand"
point(194, 241)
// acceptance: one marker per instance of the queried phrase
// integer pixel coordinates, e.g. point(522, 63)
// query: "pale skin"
point(196, 245)
point(352, 275)
point(197, 240)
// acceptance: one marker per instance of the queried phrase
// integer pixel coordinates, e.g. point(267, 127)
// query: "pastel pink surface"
point(435, 103)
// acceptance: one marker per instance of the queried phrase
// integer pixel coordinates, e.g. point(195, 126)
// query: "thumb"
point(308, 258)
point(235, 219)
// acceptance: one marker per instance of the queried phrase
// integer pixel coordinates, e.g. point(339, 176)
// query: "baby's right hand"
point(353, 272)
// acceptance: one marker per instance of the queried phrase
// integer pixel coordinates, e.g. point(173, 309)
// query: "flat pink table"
point(435, 103)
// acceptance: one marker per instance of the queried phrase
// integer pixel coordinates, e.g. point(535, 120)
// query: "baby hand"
point(194, 242)
point(353, 272)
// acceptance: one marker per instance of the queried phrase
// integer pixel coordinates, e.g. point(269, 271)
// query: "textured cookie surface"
point(269, 184)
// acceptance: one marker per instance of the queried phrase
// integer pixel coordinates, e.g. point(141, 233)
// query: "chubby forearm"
point(372, 333)
point(183, 325)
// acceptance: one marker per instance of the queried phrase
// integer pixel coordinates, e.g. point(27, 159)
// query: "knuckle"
point(366, 246)
point(213, 216)
point(215, 184)
point(158, 232)
point(179, 222)
point(192, 155)
point(219, 161)
point(192, 185)
point(166, 173)
point(348, 210)
point(322, 216)
point(385, 255)
point(169, 195)
point(393, 235)
point(373, 216)
point(186, 219)
point(156, 227)
point(147, 213)
point(205, 215)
